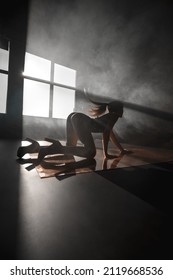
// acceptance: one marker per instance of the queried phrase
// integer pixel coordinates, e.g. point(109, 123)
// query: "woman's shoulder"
point(107, 117)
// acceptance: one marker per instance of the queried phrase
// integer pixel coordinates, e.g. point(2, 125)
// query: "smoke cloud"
point(120, 49)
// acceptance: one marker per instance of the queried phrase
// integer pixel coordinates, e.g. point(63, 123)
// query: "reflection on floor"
point(61, 166)
point(119, 213)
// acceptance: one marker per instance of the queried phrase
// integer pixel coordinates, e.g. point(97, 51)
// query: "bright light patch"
point(3, 92)
point(4, 58)
point(37, 67)
point(63, 102)
point(64, 75)
point(37, 94)
point(36, 99)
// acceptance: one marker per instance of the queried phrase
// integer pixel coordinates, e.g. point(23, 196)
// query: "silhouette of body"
point(80, 127)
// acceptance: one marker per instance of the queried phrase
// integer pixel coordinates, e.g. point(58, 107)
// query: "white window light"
point(63, 102)
point(37, 93)
point(64, 75)
point(37, 67)
point(3, 92)
point(36, 99)
point(4, 60)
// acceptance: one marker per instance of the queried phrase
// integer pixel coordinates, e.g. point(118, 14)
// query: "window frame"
point(52, 84)
point(6, 42)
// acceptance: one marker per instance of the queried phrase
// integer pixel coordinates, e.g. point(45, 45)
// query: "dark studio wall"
point(121, 49)
point(13, 24)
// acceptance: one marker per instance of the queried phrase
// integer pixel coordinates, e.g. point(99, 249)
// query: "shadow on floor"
point(151, 183)
point(9, 199)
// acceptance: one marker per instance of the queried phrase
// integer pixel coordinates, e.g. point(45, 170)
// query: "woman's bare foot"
point(125, 152)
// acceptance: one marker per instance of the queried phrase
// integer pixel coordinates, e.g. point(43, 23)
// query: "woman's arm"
point(110, 121)
point(107, 135)
point(116, 142)
point(105, 141)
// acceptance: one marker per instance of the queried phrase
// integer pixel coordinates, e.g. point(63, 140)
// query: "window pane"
point(63, 102)
point(37, 67)
point(64, 75)
point(3, 92)
point(4, 57)
point(36, 99)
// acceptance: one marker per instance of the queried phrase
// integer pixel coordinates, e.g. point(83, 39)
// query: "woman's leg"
point(70, 132)
point(82, 131)
point(79, 124)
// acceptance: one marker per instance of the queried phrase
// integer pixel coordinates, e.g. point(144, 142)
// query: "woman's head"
point(112, 107)
point(100, 108)
point(115, 107)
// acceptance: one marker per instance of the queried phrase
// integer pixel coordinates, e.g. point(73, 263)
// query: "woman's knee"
point(90, 152)
point(80, 123)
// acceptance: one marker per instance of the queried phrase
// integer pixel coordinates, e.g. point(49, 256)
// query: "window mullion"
point(51, 90)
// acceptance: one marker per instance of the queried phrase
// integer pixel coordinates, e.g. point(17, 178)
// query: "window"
point(49, 88)
point(37, 67)
point(4, 60)
point(36, 98)
point(63, 102)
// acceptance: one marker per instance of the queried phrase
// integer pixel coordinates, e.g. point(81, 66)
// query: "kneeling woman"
point(80, 127)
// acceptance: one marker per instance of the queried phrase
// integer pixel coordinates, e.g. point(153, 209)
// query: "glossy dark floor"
point(120, 213)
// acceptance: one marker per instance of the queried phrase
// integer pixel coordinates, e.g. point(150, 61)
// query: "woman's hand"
point(125, 151)
point(108, 156)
